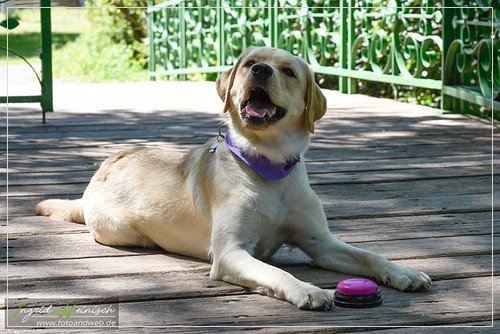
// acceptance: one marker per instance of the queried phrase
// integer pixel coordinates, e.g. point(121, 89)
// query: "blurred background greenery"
point(89, 44)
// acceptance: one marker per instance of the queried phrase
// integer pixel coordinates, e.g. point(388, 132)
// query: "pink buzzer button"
point(357, 293)
point(357, 286)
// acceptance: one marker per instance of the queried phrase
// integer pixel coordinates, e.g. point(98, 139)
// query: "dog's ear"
point(224, 81)
point(315, 102)
point(221, 84)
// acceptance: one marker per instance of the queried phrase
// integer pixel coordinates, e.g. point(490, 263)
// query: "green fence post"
point(221, 57)
point(273, 24)
point(344, 54)
point(448, 34)
point(151, 53)
point(183, 46)
point(351, 83)
point(346, 84)
point(46, 58)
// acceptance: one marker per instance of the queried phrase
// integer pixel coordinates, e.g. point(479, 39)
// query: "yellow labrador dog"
point(235, 200)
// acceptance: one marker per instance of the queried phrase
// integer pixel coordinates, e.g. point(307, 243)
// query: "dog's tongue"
point(256, 109)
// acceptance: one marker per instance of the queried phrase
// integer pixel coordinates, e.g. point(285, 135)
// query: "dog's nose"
point(261, 70)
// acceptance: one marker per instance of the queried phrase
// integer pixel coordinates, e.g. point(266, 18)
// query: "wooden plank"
point(326, 166)
point(169, 130)
point(374, 190)
point(314, 166)
point(408, 174)
point(341, 124)
point(335, 152)
point(449, 302)
point(439, 268)
point(373, 126)
point(398, 207)
point(119, 285)
point(350, 118)
point(18, 167)
point(173, 127)
point(103, 267)
point(337, 205)
point(124, 288)
point(374, 123)
point(426, 189)
point(69, 246)
point(51, 178)
point(352, 230)
point(373, 185)
point(34, 225)
point(46, 147)
point(405, 175)
point(413, 227)
point(39, 141)
point(168, 123)
point(466, 328)
point(65, 166)
point(342, 211)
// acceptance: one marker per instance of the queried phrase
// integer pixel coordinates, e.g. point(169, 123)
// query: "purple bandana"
point(261, 165)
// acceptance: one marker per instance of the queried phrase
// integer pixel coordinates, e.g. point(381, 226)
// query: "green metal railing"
point(415, 43)
point(471, 75)
point(46, 94)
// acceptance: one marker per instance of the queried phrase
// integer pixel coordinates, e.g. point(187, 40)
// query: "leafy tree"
point(121, 22)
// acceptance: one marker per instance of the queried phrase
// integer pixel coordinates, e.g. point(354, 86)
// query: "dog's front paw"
point(310, 297)
point(408, 280)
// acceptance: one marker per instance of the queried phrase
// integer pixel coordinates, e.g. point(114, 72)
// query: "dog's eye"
point(289, 72)
point(249, 63)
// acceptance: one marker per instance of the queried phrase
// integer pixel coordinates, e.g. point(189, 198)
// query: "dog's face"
point(270, 91)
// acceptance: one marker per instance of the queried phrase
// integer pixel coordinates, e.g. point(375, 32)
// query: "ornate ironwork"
point(399, 42)
point(472, 60)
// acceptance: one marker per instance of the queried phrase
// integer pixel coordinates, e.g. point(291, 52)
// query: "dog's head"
point(270, 93)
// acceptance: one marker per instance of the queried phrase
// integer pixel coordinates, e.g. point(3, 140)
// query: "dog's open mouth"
point(259, 109)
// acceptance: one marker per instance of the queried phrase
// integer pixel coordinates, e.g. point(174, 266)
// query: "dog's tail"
point(69, 210)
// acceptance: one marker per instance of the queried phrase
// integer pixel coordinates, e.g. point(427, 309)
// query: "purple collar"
point(261, 165)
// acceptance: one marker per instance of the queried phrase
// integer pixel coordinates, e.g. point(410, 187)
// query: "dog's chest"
point(277, 210)
point(276, 200)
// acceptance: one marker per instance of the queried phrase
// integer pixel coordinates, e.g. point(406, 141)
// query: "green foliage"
point(87, 60)
point(408, 94)
point(84, 48)
point(67, 25)
point(121, 22)
point(114, 48)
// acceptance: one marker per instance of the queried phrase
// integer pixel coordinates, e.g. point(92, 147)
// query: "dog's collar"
point(260, 164)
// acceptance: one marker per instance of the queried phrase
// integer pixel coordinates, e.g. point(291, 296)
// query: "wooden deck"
point(405, 181)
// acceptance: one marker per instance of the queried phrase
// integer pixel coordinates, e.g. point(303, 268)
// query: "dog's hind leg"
point(116, 227)
point(107, 227)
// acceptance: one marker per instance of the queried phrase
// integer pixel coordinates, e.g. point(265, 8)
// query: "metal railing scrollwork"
point(446, 45)
point(471, 70)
